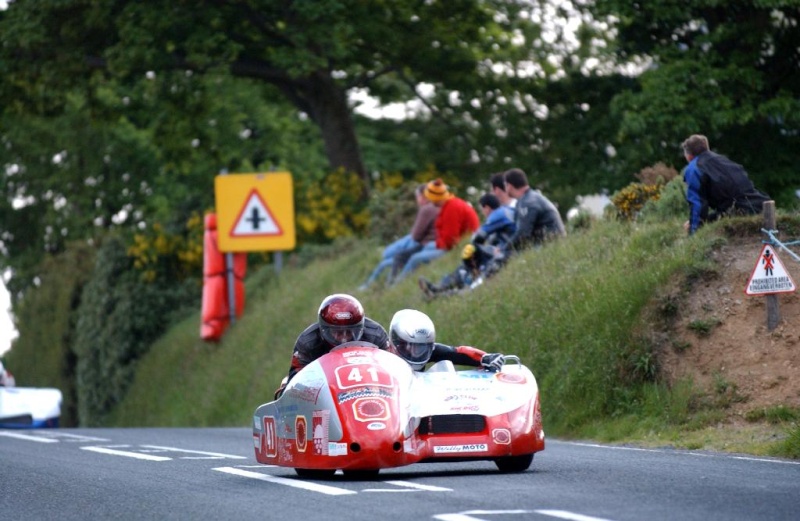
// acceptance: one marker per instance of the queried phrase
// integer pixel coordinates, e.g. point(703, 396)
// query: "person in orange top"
point(457, 218)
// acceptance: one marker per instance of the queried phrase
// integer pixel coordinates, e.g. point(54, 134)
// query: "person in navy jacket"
point(716, 183)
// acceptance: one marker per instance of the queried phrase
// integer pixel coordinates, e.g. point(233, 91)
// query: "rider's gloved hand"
point(493, 361)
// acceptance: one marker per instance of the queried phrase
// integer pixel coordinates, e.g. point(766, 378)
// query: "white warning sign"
point(255, 219)
point(769, 275)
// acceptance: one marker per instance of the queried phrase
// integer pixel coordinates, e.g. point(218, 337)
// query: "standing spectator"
point(456, 219)
point(422, 232)
point(483, 256)
point(537, 218)
point(714, 181)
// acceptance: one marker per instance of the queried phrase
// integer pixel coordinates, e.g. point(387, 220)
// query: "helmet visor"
point(414, 352)
point(338, 335)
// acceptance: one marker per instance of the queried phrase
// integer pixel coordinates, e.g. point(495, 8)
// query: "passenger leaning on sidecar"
point(340, 319)
point(413, 338)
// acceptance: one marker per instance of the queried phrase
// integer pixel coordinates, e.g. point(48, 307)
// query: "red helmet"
point(341, 319)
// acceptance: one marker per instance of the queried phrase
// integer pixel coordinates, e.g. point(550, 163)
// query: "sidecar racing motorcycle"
point(360, 409)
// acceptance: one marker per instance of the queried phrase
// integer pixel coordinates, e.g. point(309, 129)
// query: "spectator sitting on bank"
point(456, 219)
point(714, 181)
point(537, 218)
point(497, 181)
point(422, 232)
point(483, 256)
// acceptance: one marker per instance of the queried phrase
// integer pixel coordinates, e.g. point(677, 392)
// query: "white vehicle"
point(29, 407)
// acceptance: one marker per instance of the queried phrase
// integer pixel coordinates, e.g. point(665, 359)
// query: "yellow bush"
point(630, 200)
point(158, 253)
point(331, 207)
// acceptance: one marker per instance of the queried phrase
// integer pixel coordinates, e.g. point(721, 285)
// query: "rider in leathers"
point(340, 319)
point(413, 338)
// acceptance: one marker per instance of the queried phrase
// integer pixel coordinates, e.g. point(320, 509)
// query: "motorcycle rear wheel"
point(315, 473)
point(361, 475)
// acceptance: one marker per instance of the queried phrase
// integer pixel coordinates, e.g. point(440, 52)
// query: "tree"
point(727, 70)
point(313, 52)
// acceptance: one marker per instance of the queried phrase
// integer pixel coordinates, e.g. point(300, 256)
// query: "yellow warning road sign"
point(255, 212)
point(769, 275)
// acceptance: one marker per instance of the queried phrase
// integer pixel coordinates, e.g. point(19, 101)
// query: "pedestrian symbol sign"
point(769, 275)
point(255, 219)
point(255, 212)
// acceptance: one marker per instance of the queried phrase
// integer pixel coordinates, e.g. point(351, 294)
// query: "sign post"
point(255, 212)
point(769, 276)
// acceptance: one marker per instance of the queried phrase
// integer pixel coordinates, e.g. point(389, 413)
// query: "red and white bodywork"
point(359, 408)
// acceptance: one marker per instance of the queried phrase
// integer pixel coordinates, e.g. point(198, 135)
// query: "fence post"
point(773, 308)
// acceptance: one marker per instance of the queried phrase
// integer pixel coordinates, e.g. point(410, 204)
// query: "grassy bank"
point(571, 311)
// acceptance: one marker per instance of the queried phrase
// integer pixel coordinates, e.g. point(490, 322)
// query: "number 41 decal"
point(361, 374)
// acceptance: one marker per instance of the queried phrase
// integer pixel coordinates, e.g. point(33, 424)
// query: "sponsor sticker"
point(337, 449)
point(453, 449)
point(376, 426)
point(300, 433)
point(319, 429)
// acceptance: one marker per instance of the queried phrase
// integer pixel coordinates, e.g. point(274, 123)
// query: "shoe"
point(427, 287)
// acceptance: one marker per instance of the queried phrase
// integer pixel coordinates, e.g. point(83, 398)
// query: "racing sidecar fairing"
point(29, 407)
point(360, 409)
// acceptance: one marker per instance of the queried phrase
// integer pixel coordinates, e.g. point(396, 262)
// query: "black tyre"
point(361, 475)
point(514, 463)
point(315, 473)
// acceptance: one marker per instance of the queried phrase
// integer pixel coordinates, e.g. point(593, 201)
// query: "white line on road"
point(206, 455)
point(313, 487)
point(27, 437)
point(419, 486)
point(563, 514)
point(469, 515)
point(678, 451)
point(137, 455)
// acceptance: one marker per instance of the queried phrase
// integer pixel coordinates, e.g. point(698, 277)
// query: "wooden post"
point(773, 308)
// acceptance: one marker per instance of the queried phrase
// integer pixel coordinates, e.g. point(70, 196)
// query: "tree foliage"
point(118, 319)
point(730, 71)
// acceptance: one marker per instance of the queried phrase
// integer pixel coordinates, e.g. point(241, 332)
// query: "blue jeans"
point(428, 253)
point(401, 244)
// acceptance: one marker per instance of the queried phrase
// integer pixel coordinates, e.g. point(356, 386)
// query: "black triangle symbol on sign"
point(255, 219)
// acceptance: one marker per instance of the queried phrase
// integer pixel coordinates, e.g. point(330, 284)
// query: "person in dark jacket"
point(340, 319)
point(715, 182)
point(413, 338)
point(536, 217)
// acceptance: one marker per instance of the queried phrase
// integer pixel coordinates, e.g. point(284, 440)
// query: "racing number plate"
point(359, 375)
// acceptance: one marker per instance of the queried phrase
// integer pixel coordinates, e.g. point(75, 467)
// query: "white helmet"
point(412, 335)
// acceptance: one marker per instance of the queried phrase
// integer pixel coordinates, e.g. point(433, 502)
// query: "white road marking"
point(75, 438)
point(419, 486)
point(27, 437)
point(678, 451)
point(206, 455)
point(136, 455)
point(563, 514)
point(469, 515)
point(313, 487)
